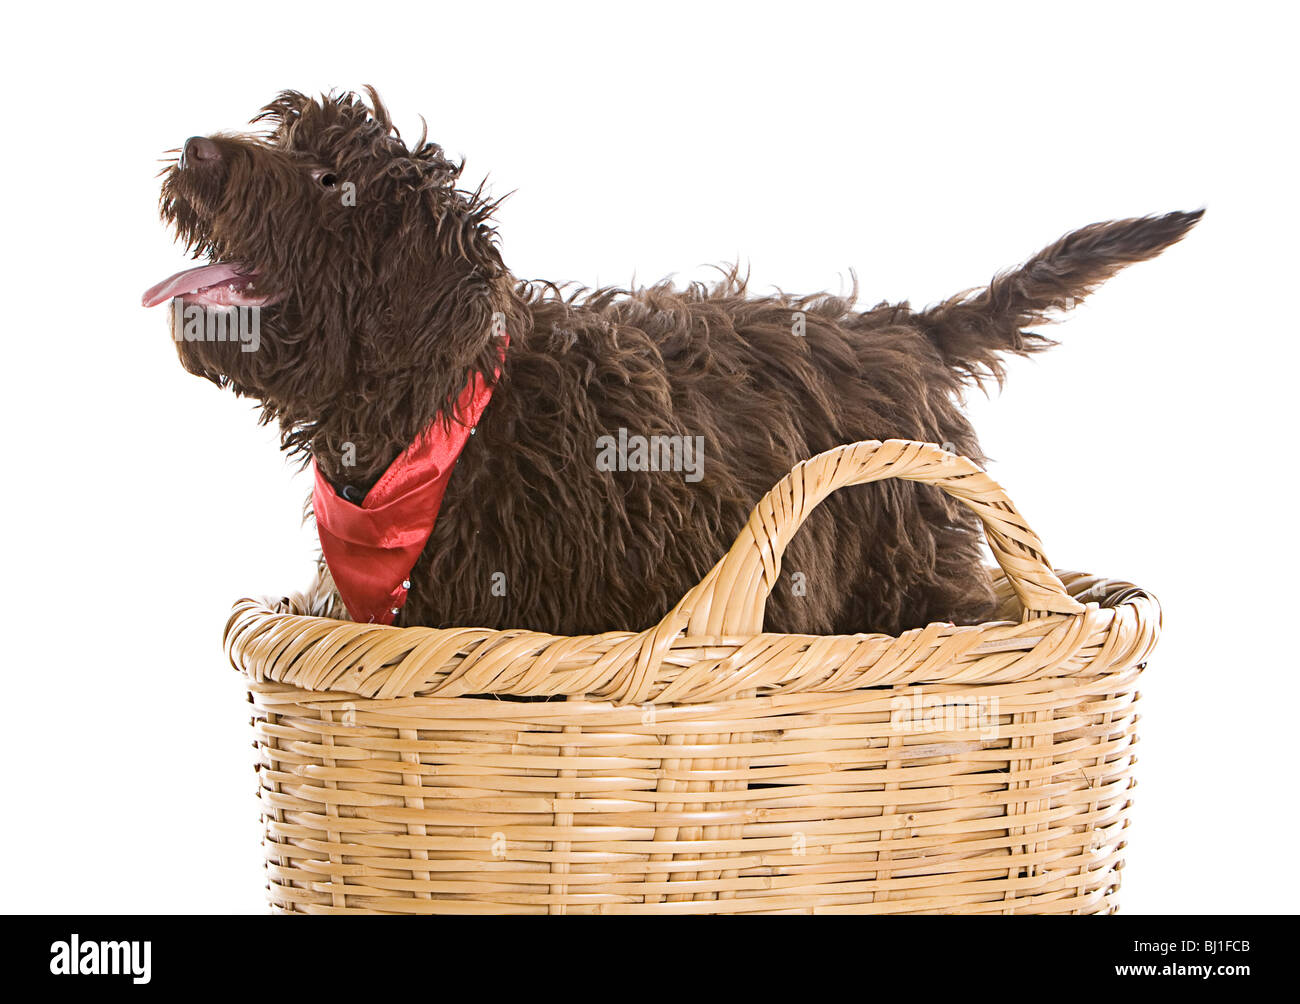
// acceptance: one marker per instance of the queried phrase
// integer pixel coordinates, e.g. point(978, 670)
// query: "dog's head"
point(336, 258)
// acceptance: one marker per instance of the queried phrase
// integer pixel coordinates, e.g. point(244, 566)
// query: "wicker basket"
point(702, 766)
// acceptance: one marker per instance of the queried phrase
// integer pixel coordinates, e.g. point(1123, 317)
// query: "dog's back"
point(759, 383)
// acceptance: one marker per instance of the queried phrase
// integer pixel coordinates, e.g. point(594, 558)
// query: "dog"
point(386, 321)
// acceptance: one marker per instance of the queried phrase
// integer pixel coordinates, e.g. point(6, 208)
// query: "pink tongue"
point(192, 280)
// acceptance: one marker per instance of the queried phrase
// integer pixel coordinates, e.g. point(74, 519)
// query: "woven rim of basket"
point(711, 645)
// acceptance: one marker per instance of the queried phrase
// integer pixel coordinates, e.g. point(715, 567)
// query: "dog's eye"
point(326, 179)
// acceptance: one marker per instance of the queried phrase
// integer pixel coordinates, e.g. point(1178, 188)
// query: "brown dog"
point(380, 291)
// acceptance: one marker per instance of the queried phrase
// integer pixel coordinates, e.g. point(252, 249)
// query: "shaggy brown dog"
point(376, 310)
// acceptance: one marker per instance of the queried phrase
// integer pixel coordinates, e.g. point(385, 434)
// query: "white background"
point(925, 149)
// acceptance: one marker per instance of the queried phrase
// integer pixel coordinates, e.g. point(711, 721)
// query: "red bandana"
point(371, 548)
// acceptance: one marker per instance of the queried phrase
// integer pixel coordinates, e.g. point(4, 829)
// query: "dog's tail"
point(973, 329)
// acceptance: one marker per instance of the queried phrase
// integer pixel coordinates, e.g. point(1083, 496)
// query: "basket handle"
point(732, 597)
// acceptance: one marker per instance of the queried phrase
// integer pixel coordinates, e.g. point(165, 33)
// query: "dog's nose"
point(199, 150)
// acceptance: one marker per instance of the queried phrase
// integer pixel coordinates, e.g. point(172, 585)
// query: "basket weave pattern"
point(702, 766)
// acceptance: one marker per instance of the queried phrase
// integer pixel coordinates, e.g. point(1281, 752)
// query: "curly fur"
point(385, 310)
